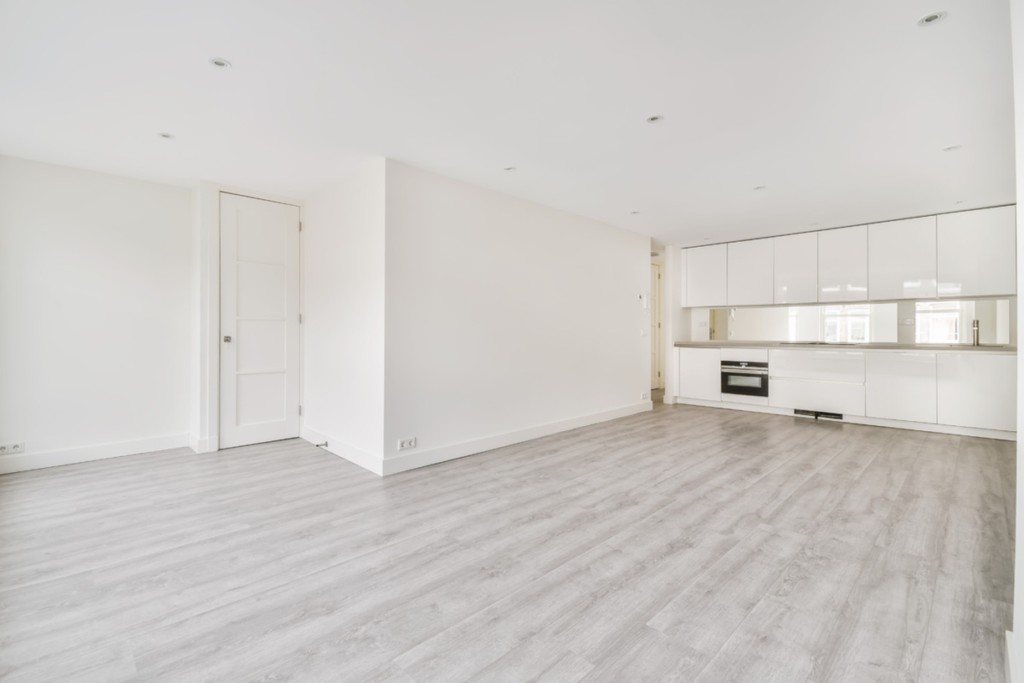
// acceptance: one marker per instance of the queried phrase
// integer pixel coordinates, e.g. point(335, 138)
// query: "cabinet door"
point(901, 386)
point(828, 397)
point(751, 272)
point(705, 276)
point(681, 260)
point(977, 252)
point(977, 389)
point(796, 269)
point(843, 264)
point(700, 373)
point(901, 259)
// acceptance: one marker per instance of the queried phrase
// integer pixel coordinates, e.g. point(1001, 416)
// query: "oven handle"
point(744, 371)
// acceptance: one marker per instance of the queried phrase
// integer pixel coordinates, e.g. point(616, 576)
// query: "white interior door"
point(259, 320)
point(657, 380)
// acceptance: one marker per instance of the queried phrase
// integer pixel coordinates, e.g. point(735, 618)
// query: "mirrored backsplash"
point(904, 322)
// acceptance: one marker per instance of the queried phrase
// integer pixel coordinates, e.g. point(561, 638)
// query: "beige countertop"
point(848, 347)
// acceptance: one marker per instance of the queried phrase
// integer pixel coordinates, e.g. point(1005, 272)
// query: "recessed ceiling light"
point(759, 187)
point(510, 168)
point(655, 119)
point(220, 63)
point(634, 213)
point(933, 18)
point(951, 148)
point(959, 201)
point(705, 239)
point(166, 136)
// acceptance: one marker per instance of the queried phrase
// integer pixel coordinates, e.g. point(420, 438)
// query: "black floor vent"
point(817, 413)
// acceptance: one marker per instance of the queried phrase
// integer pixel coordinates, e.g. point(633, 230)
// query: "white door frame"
point(204, 422)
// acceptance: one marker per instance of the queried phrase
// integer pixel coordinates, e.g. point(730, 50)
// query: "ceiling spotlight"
point(220, 63)
point(959, 201)
point(951, 148)
point(759, 187)
point(509, 168)
point(933, 18)
point(166, 136)
point(655, 119)
point(634, 213)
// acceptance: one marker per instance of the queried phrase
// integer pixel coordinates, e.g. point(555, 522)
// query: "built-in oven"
point(745, 378)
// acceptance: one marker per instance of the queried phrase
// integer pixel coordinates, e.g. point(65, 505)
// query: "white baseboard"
point(69, 456)
point(198, 445)
point(335, 446)
point(859, 420)
point(409, 461)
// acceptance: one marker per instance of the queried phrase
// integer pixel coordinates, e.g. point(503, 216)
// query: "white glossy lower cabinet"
point(977, 389)
point(900, 386)
point(844, 398)
point(700, 373)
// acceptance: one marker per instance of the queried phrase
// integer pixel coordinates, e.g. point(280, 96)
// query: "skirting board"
point(35, 461)
point(335, 446)
point(858, 420)
point(202, 445)
point(409, 461)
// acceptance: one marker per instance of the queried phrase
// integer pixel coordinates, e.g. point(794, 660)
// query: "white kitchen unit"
point(700, 373)
point(977, 253)
point(796, 269)
point(681, 261)
point(843, 264)
point(706, 282)
point(820, 380)
point(901, 259)
point(900, 385)
point(751, 267)
point(977, 389)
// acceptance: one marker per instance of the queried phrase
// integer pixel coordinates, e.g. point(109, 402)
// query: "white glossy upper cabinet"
point(751, 272)
point(843, 264)
point(977, 252)
point(796, 269)
point(705, 276)
point(682, 277)
point(901, 259)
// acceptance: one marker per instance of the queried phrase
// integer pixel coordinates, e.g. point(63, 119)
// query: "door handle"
point(227, 338)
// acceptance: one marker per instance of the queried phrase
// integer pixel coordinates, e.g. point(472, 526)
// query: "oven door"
point(746, 379)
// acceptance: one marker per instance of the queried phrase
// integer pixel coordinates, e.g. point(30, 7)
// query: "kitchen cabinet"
point(751, 267)
point(977, 389)
point(900, 386)
point(822, 380)
point(682, 276)
point(977, 253)
point(843, 264)
point(706, 276)
point(700, 373)
point(796, 269)
point(901, 259)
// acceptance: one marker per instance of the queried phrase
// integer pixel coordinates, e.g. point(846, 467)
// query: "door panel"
point(259, 313)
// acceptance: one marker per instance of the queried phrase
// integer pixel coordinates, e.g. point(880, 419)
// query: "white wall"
point(505, 319)
point(95, 289)
point(343, 316)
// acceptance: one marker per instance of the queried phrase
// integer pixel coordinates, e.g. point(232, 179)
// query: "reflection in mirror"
point(906, 322)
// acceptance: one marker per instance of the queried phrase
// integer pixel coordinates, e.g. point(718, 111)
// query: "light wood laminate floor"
point(685, 544)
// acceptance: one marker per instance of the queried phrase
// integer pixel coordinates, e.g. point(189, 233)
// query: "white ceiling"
point(840, 109)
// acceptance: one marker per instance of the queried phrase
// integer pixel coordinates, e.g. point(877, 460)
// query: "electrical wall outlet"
point(12, 448)
point(645, 395)
point(406, 444)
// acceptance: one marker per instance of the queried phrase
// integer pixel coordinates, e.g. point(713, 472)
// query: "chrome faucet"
point(976, 332)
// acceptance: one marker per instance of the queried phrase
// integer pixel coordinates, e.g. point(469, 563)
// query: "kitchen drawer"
point(745, 355)
point(813, 364)
point(830, 397)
